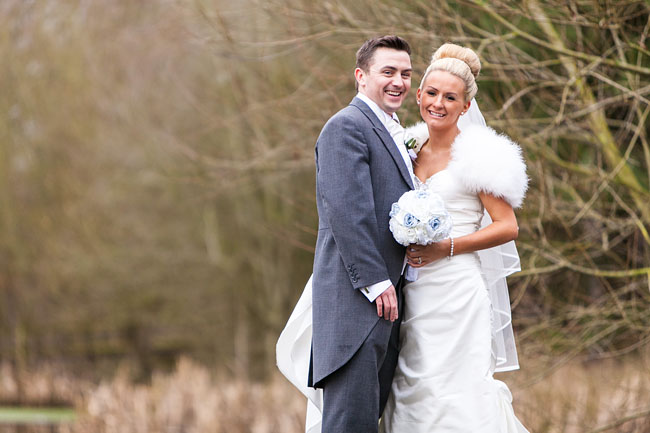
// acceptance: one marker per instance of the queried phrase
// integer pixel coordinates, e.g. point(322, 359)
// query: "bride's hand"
point(420, 255)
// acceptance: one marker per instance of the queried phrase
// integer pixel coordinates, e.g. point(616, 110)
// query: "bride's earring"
point(417, 101)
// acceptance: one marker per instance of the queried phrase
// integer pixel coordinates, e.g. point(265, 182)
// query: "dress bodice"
point(464, 206)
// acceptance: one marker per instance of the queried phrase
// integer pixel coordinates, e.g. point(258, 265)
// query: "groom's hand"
point(387, 304)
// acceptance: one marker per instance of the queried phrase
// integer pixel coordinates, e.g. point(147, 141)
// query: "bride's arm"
point(503, 229)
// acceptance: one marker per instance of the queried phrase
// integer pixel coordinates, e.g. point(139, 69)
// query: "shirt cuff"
point(373, 292)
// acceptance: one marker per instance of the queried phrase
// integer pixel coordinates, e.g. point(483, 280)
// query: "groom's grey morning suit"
point(360, 173)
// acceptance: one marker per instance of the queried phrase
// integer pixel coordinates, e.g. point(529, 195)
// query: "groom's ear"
point(360, 77)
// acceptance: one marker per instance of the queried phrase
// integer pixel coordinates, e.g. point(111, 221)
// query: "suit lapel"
point(385, 138)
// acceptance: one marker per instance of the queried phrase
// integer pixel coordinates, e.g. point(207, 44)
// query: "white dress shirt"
point(397, 132)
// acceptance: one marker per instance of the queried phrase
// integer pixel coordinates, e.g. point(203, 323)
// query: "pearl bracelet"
point(451, 250)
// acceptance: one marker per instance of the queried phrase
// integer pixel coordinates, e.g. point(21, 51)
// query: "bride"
point(456, 329)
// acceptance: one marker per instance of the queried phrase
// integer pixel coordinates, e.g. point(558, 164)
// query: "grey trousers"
point(355, 395)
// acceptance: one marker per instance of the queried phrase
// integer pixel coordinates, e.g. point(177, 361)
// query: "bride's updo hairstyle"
point(459, 61)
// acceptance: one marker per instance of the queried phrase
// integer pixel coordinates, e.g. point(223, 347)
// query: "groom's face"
point(387, 80)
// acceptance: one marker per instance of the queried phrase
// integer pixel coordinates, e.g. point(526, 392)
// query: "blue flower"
point(421, 193)
point(394, 210)
point(410, 220)
point(434, 223)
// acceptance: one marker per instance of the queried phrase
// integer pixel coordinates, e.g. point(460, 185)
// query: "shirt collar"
point(381, 114)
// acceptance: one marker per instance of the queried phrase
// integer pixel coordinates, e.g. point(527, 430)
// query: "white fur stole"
point(484, 161)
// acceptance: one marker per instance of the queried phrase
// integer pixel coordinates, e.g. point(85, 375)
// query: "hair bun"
point(454, 51)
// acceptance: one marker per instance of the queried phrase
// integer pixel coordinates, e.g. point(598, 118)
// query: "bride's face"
point(442, 100)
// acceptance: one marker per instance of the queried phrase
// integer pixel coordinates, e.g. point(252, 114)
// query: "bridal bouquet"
point(419, 217)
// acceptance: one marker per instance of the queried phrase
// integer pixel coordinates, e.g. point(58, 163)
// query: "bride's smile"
point(441, 99)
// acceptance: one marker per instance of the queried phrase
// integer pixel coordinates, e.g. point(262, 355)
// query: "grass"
point(36, 415)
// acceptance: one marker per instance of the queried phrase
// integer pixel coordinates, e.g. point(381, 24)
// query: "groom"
point(362, 168)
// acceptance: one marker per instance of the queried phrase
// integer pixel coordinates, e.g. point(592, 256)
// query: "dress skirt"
point(443, 381)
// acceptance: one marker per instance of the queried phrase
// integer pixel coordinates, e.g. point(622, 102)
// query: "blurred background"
point(157, 211)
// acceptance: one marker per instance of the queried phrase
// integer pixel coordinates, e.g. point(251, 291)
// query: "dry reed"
point(580, 397)
point(47, 385)
point(189, 400)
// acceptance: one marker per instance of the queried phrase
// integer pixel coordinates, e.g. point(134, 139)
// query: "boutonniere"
point(412, 145)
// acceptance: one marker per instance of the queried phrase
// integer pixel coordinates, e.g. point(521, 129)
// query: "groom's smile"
point(387, 80)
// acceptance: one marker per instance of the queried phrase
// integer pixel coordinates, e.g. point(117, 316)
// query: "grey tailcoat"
point(359, 175)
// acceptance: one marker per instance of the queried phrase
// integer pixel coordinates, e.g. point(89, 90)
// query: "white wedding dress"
point(443, 382)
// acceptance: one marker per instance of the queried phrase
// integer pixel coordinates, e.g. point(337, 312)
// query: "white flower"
point(412, 144)
point(415, 137)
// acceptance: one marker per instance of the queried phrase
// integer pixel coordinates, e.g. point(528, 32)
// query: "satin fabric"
point(443, 382)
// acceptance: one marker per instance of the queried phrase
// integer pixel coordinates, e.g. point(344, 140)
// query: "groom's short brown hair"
point(367, 50)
